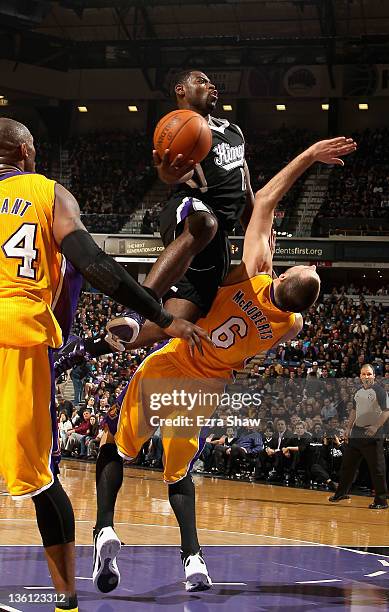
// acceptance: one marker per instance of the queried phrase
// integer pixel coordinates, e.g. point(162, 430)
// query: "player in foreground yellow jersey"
point(44, 251)
point(252, 313)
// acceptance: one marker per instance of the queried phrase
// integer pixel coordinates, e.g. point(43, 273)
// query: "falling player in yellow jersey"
point(252, 312)
point(44, 251)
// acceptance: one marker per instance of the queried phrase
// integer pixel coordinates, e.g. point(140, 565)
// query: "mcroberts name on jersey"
point(255, 314)
point(229, 157)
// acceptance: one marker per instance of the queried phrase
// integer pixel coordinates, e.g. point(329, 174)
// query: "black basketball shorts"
point(210, 267)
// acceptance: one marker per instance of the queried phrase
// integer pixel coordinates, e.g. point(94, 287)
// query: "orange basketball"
point(183, 131)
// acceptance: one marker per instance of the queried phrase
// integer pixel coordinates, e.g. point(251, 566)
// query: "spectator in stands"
point(229, 454)
point(66, 406)
point(77, 435)
point(246, 446)
point(323, 459)
point(64, 425)
point(328, 411)
point(295, 454)
point(262, 465)
point(91, 435)
point(213, 440)
point(274, 450)
point(155, 451)
point(94, 445)
point(146, 224)
point(78, 374)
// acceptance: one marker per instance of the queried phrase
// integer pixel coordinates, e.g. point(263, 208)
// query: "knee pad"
point(55, 517)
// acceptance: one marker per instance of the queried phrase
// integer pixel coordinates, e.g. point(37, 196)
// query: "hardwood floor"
point(228, 512)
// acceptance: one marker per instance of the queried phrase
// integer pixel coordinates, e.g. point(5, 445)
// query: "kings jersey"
point(242, 322)
point(30, 261)
point(219, 180)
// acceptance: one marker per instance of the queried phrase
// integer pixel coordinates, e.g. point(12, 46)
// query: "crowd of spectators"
point(360, 191)
point(44, 157)
point(305, 388)
point(266, 154)
point(110, 172)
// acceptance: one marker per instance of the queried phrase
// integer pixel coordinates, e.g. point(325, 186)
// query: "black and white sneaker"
point(196, 573)
point(123, 330)
point(106, 575)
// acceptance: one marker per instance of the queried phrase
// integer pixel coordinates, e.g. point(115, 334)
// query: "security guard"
point(365, 439)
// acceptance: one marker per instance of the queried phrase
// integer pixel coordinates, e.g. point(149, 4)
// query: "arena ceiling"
point(219, 34)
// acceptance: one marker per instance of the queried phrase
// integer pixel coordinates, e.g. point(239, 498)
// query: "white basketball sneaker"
point(196, 573)
point(121, 331)
point(106, 575)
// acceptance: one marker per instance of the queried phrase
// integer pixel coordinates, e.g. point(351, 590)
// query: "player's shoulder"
point(260, 279)
point(218, 123)
point(36, 177)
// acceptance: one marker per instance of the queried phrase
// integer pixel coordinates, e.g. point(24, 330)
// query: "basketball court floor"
point(267, 548)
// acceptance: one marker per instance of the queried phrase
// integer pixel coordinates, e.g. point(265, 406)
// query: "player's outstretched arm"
point(248, 210)
point(107, 275)
point(256, 251)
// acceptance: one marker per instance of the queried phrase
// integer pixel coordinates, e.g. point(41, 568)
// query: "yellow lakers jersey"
point(242, 322)
point(30, 261)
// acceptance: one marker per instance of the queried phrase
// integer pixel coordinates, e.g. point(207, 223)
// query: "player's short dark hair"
point(298, 292)
point(179, 79)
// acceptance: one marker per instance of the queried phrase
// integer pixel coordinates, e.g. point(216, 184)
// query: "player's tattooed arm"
point(66, 214)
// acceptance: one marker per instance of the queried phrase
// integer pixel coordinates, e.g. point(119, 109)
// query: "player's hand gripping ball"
point(183, 132)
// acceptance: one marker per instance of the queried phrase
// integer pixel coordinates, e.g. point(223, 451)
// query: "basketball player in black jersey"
point(209, 199)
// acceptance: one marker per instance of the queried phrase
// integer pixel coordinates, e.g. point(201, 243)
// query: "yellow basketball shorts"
point(28, 426)
point(146, 406)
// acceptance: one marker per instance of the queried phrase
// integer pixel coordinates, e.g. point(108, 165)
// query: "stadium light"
point(82, 109)
point(132, 108)
point(363, 106)
point(227, 107)
point(325, 107)
point(281, 107)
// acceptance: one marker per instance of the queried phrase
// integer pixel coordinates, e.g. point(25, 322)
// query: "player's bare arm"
point(256, 251)
point(104, 273)
point(246, 216)
point(293, 331)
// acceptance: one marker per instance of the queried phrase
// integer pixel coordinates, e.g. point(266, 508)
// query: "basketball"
point(185, 132)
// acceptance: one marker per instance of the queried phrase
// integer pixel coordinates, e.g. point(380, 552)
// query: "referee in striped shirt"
point(365, 439)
